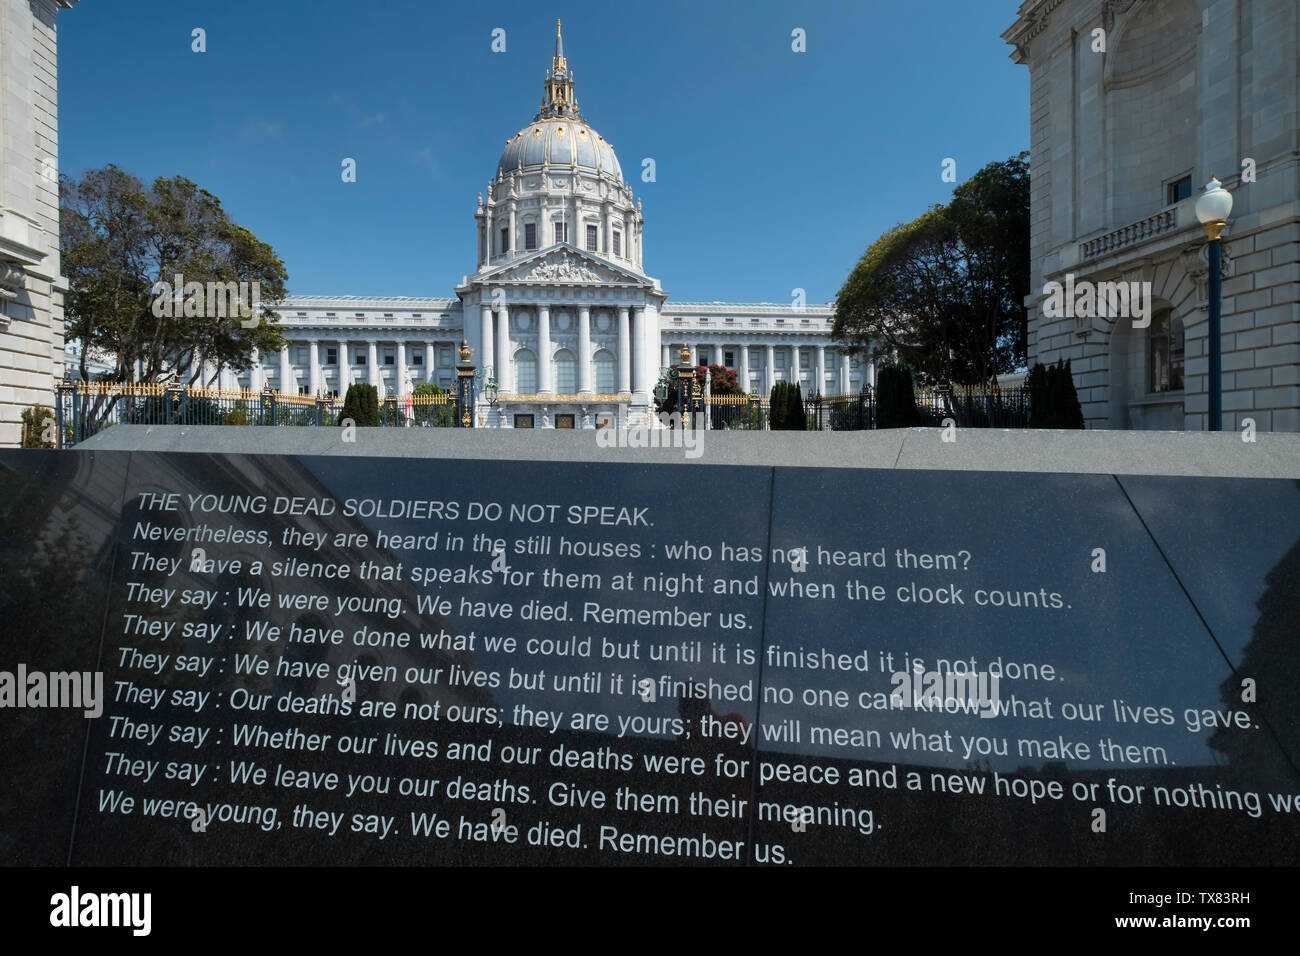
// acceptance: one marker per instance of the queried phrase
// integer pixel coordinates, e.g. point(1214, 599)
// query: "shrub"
point(34, 420)
point(361, 405)
point(895, 398)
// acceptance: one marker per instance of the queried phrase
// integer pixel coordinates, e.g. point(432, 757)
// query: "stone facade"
point(31, 287)
point(1124, 134)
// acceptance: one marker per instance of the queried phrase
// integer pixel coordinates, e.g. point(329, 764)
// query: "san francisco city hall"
point(559, 310)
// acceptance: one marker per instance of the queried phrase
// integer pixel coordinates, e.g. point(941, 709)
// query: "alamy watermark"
point(78, 690)
point(670, 433)
point(1086, 300)
point(971, 692)
point(211, 300)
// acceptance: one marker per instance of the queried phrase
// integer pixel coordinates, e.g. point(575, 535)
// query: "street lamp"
point(490, 390)
point(1212, 210)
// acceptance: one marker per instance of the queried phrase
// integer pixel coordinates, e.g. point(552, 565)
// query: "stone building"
point(31, 287)
point(1134, 106)
point(559, 308)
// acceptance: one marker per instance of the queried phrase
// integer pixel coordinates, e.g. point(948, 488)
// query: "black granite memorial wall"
point(334, 660)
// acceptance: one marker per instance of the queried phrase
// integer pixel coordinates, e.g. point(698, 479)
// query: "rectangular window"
point(1165, 353)
point(417, 358)
point(444, 355)
point(505, 240)
point(523, 421)
point(618, 243)
point(302, 389)
point(564, 421)
point(530, 235)
point(331, 356)
point(805, 359)
point(592, 239)
point(729, 359)
point(361, 358)
point(561, 232)
point(389, 358)
point(1178, 190)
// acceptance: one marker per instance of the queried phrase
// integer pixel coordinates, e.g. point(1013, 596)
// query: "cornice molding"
point(1032, 19)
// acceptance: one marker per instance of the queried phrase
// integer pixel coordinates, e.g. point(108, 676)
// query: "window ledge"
point(1160, 398)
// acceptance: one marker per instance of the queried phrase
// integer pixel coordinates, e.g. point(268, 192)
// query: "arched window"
point(566, 373)
point(1165, 343)
point(525, 372)
point(604, 363)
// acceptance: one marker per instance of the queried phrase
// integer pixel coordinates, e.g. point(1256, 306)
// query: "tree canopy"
point(120, 240)
point(945, 292)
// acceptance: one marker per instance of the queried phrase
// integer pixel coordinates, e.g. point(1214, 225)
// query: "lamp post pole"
point(1212, 210)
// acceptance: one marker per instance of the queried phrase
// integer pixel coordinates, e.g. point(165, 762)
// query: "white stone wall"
point(31, 327)
point(1185, 87)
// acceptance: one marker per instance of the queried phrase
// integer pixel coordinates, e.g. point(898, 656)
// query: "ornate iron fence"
point(83, 409)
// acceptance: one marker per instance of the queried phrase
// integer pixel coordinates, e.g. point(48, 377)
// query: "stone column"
point(545, 369)
point(345, 367)
point(491, 234)
point(429, 371)
point(288, 385)
point(607, 229)
point(513, 244)
point(254, 371)
point(794, 363)
point(719, 356)
point(770, 375)
point(315, 382)
point(667, 358)
point(821, 369)
point(401, 368)
point(486, 335)
point(584, 350)
point(505, 371)
point(871, 373)
point(373, 362)
point(636, 321)
point(744, 367)
point(624, 343)
point(844, 373)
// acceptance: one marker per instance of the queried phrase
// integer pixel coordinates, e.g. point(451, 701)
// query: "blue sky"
point(774, 169)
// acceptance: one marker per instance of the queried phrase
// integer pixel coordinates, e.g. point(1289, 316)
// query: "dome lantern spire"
point(559, 98)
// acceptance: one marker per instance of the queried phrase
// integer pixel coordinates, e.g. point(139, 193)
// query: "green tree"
point(1039, 413)
point(944, 293)
point(895, 398)
point(778, 407)
point(795, 419)
point(120, 241)
point(361, 405)
point(1053, 399)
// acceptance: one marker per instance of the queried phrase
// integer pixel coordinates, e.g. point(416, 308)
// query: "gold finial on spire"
point(559, 99)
